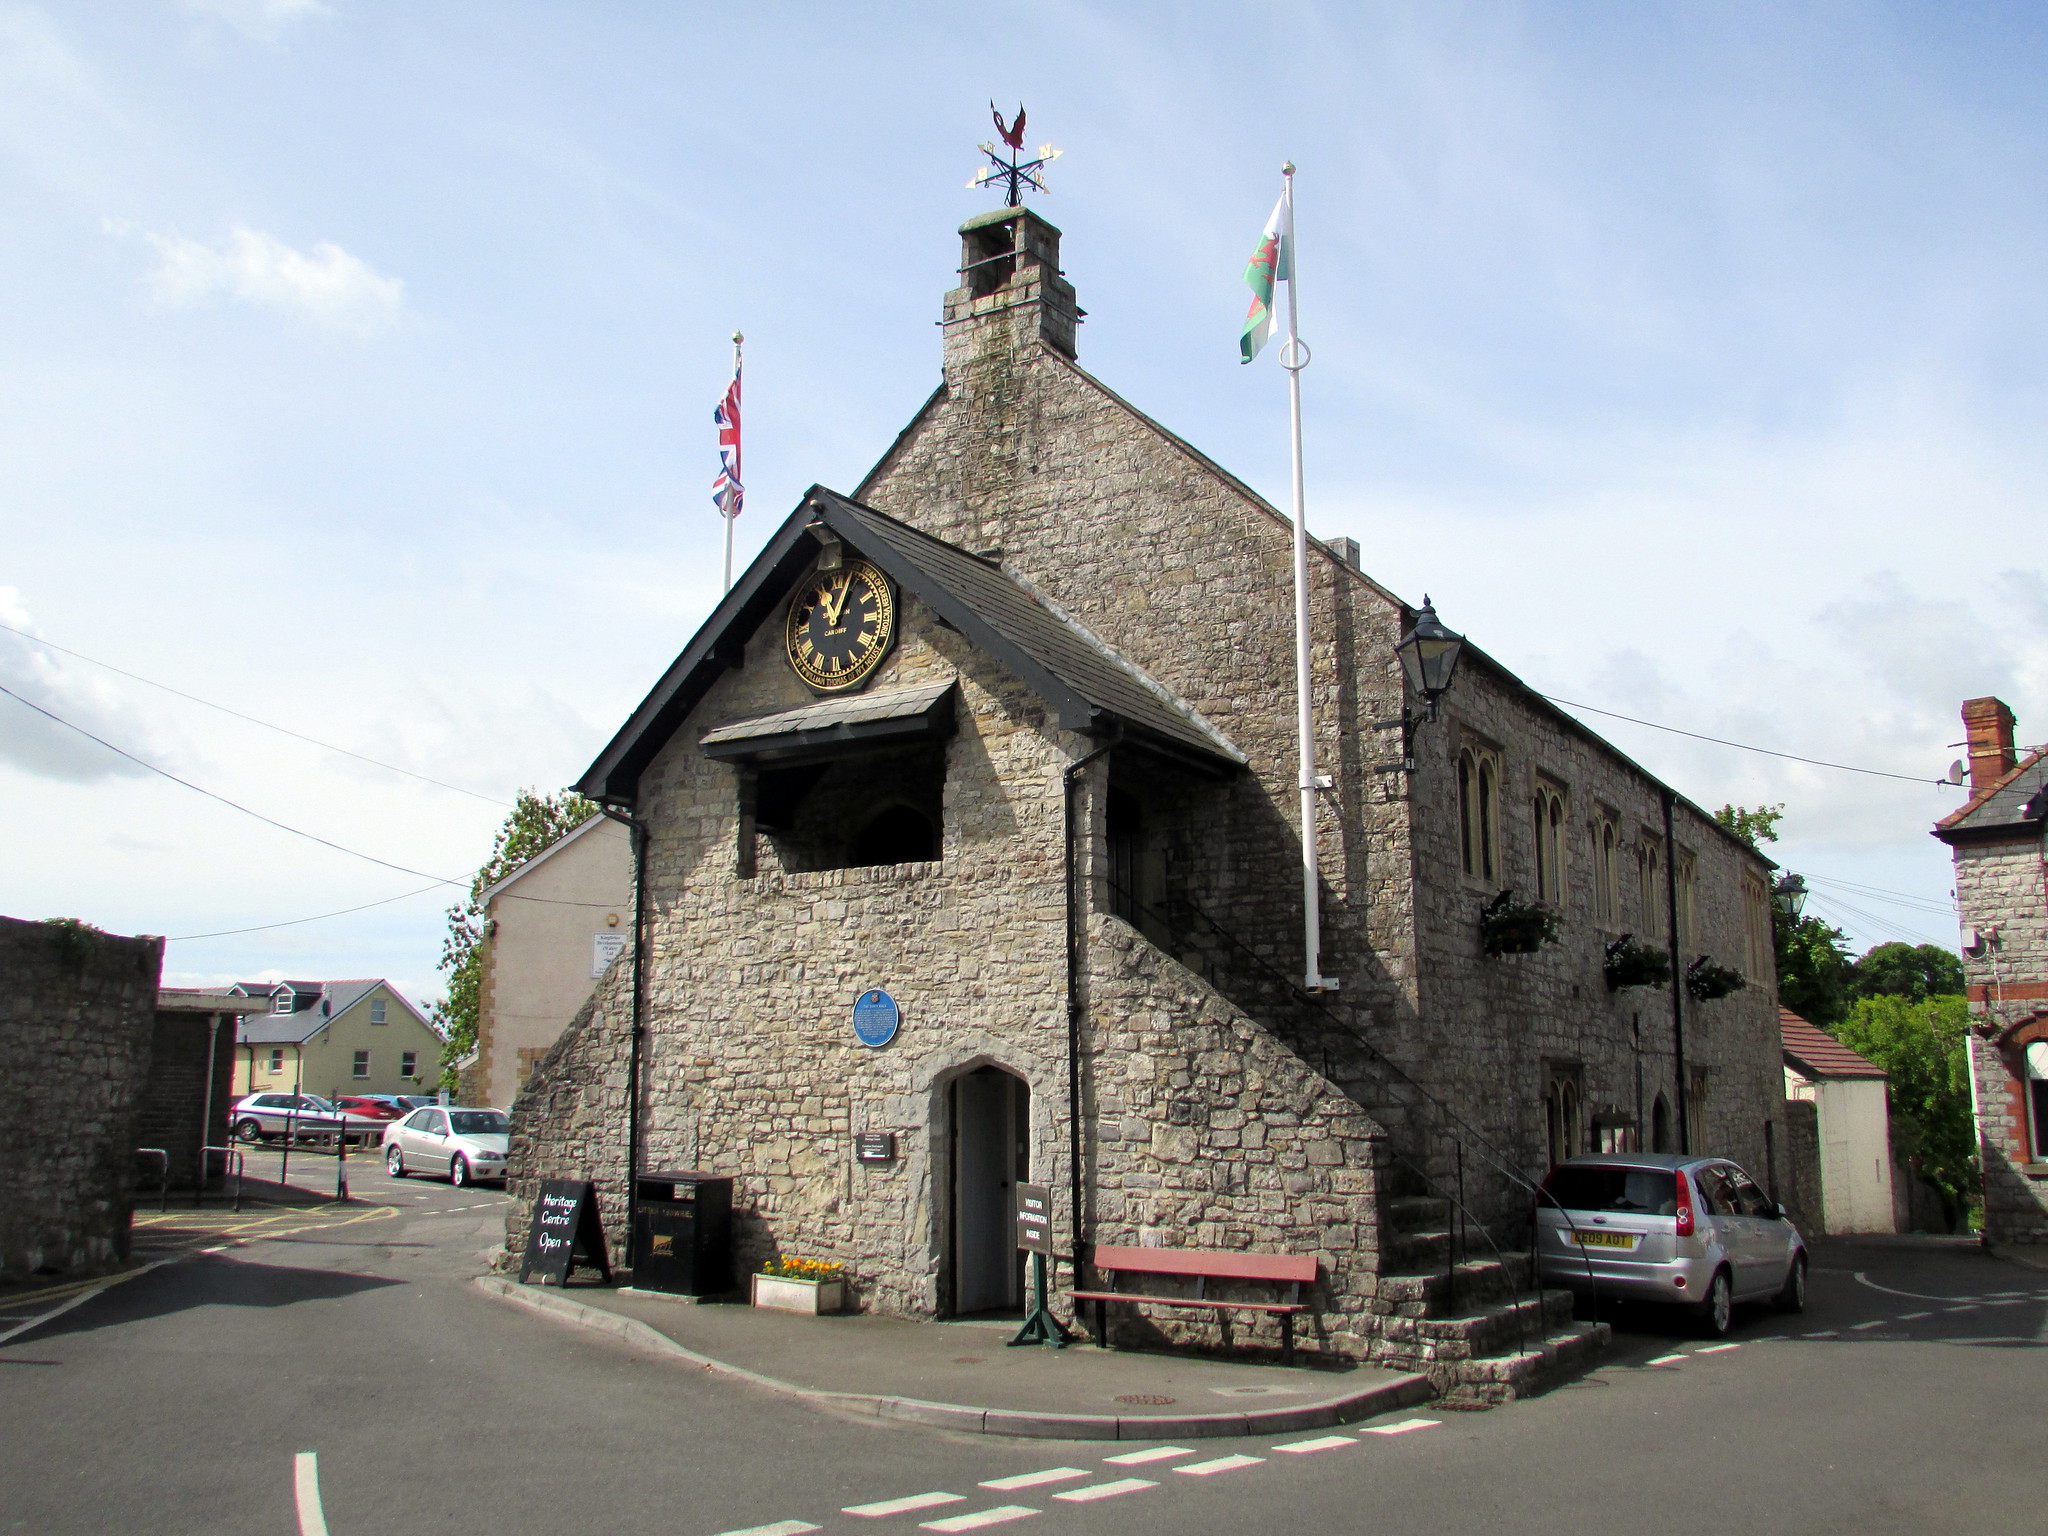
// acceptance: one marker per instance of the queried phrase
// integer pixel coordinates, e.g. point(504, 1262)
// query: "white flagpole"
point(738, 454)
point(1293, 358)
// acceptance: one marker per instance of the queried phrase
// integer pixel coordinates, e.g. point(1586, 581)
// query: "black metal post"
point(638, 830)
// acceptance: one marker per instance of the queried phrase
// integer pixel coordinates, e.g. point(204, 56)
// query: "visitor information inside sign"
point(1034, 1218)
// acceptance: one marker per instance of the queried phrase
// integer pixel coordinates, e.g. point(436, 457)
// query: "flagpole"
point(1293, 358)
point(737, 339)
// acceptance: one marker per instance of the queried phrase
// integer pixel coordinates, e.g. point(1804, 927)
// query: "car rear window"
point(1643, 1191)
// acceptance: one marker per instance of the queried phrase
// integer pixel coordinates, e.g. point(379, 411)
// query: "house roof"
point(2011, 803)
point(1088, 686)
point(338, 997)
point(522, 870)
point(1813, 1052)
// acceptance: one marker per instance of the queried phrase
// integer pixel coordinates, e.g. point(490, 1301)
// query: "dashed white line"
point(1033, 1479)
point(306, 1490)
point(1911, 1317)
point(903, 1506)
point(1096, 1491)
point(1002, 1514)
point(1715, 1349)
point(1220, 1464)
point(779, 1528)
point(1325, 1443)
point(1876, 1322)
point(1825, 1333)
point(1968, 1307)
point(1403, 1427)
point(1668, 1360)
point(1139, 1458)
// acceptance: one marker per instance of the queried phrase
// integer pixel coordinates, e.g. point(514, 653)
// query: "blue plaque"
point(875, 1018)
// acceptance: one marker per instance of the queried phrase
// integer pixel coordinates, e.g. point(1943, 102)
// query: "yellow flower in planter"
point(803, 1269)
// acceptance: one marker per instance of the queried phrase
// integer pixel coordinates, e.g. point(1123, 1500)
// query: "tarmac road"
point(1908, 1398)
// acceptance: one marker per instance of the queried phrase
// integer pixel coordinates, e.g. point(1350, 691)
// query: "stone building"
point(1997, 840)
point(1853, 1128)
point(1040, 789)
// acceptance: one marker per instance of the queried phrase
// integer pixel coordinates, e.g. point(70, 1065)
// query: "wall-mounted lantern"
point(1429, 660)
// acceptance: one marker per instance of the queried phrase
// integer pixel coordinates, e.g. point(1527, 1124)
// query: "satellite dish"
point(1955, 771)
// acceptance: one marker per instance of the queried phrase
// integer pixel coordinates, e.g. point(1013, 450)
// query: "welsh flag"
point(1272, 262)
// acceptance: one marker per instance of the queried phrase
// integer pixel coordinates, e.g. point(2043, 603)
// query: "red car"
point(377, 1108)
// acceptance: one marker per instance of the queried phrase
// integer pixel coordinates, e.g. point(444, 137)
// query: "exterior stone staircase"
point(1479, 1329)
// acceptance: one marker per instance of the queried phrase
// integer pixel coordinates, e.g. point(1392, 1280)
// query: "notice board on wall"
point(564, 1233)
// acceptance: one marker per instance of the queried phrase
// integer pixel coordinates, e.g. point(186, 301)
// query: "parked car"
point(1692, 1231)
point(377, 1106)
point(303, 1116)
point(468, 1145)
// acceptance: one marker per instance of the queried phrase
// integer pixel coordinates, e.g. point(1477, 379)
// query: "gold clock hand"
point(839, 607)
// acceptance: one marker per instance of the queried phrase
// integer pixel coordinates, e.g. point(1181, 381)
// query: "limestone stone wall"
point(77, 1009)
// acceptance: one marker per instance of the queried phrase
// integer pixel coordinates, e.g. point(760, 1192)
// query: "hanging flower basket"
point(1705, 980)
point(1510, 927)
point(1634, 964)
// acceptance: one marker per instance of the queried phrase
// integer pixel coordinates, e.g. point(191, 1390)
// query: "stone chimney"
point(1011, 295)
point(1987, 725)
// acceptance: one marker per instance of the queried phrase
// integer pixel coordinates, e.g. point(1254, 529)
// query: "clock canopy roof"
point(1085, 684)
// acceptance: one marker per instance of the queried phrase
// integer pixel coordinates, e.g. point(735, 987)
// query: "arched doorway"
point(991, 1147)
point(1660, 1125)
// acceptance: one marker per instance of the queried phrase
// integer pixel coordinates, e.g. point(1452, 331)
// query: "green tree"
point(536, 821)
point(1912, 971)
point(1814, 966)
point(1919, 1043)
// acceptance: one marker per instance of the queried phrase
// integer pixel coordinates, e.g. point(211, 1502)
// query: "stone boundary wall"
point(77, 1010)
point(1799, 1167)
point(570, 1121)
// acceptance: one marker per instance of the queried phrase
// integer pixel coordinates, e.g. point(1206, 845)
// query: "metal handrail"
point(236, 1163)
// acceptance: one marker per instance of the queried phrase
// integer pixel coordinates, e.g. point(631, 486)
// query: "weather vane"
point(1013, 173)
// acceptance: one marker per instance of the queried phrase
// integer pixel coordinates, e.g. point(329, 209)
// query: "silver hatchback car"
point(1650, 1226)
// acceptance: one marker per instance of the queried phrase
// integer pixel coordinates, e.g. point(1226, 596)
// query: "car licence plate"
point(1604, 1239)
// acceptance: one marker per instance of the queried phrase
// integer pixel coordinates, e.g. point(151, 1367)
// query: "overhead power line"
point(224, 800)
point(1743, 746)
point(228, 933)
point(326, 746)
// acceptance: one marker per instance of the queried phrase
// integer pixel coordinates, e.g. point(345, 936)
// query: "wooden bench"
point(1203, 1264)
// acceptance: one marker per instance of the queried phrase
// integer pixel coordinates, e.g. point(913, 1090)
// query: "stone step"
point(1418, 1341)
point(1407, 1253)
point(1438, 1293)
point(1414, 1213)
point(1487, 1383)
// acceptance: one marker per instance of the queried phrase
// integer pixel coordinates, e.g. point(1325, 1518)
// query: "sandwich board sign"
point(564, 1233)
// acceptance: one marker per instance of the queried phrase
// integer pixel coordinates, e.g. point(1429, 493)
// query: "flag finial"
point(1012, 172)
point(1287, 169)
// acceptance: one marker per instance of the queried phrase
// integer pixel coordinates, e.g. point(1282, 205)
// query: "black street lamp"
point(1429, 656)
point(1791, 894)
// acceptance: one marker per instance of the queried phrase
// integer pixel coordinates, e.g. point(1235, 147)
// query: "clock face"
point(840, 626)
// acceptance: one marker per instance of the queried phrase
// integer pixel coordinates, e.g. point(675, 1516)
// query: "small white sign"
point(604, 949)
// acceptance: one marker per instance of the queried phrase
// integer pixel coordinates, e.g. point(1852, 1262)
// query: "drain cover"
point(1146, 1399)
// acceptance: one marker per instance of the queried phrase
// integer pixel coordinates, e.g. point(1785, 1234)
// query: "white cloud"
point(263, 20)
point(42, 746)
point(326, 285)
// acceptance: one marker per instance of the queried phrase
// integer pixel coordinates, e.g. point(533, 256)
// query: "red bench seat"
point(1202, 1265)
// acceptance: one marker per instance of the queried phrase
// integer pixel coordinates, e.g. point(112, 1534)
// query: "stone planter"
point(811, 1296)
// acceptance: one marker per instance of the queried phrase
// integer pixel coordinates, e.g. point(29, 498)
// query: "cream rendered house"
point(556, 922)
point(1855, 1125)
point(335, 1037)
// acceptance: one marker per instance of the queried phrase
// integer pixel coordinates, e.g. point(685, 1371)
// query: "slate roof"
point(1814, 1053)
point(2011, 804)
point(298, 1027)
point(1088, 686)
point(826, 721)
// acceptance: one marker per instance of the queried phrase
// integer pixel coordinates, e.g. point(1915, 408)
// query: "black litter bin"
point(682, 1233)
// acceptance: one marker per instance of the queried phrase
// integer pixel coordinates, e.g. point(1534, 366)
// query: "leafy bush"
point(1510, 927)
point(1632, 963)
point(1706, 980)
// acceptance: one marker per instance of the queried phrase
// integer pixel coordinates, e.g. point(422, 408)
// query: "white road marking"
point(2014, 1303)
point(1326, 1443)
point(1874, 1323)
point(1139, 1458)
point(1825, 1333)
point(1909, 1317)
point(306, 1489)
point(1776, 1338)
point(1669, 1360)
point(1220, 1464)
point(1096, 1491)
point(1002, 1514)
point(1971, 1307)
point(779, 1528)
point(1033, 1479)
point(1715, 1349)
point(1403, 1427)
point(904, 1506)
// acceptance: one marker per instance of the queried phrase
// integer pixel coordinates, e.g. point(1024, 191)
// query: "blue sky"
point(356, 363)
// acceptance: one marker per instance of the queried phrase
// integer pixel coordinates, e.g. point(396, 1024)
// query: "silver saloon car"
point(1692, 1231)
point(468, 1145)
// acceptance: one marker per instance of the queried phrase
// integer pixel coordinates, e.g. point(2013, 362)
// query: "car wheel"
point(394, 1162)
point(1793, 1297)
point(458, 1172)
point(248, 1130)
point(1716, 1313)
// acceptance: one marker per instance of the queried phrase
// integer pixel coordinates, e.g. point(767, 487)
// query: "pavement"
point(354, 1378)
point(964, 1376)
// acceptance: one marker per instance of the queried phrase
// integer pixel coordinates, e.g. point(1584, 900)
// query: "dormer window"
point(281, 1000)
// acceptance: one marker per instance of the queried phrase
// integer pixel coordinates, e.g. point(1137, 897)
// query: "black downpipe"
point(1677, 975)
point(638, 829)
point(1069, 778)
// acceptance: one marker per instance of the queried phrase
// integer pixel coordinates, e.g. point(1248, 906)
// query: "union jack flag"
point(727, 492)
